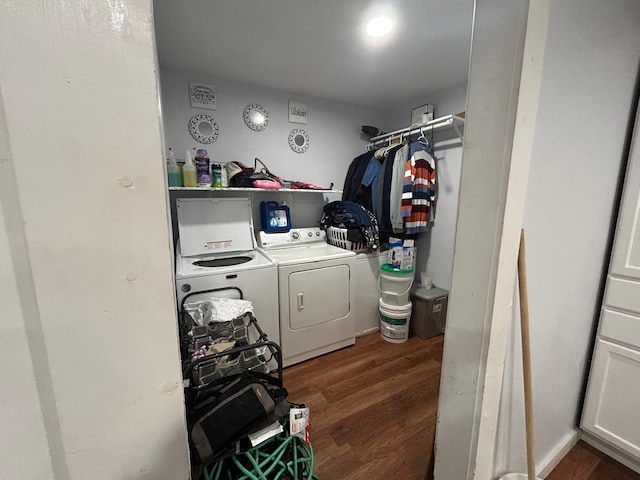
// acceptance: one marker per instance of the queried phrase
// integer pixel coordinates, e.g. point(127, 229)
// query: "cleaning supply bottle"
point(216, 175)
point(173, 171)
point(189, 171)
point(203, 169)
point(224, 177)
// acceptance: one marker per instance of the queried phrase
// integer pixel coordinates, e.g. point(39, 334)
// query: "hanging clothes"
point(370, 182)
point(384, 190)
point(353, 180)
point(378, 205)
point(397, 185)
point(419, 189)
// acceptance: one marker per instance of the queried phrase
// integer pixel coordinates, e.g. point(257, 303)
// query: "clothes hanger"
point(382, 151)
point(422, 139)
point(426, 144)
point(393, 142)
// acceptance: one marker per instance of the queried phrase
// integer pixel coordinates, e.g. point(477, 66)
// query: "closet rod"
point(436, 124)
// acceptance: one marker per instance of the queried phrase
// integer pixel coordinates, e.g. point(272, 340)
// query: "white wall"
point(590, 69)
point(91, 383)
point(435, 249)
point(21, 418)
point(333, 128)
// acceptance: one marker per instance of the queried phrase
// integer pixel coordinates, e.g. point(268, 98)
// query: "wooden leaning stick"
point(526, 357)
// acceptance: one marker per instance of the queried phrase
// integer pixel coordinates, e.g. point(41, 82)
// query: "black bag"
point(246, 179)
point(249, 175)
point(225, 411)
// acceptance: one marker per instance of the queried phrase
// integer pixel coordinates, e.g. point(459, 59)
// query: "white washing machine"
point(217, 250)
point(316, 293)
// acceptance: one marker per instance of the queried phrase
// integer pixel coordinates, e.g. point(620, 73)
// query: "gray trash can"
point(429, 312)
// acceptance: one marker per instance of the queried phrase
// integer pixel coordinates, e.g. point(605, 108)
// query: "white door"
point(611, 411)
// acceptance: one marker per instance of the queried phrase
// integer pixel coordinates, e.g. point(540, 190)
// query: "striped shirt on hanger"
point(419, 189)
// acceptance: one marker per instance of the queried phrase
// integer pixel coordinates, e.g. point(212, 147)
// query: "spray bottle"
point(173, 171)
point(189, 171)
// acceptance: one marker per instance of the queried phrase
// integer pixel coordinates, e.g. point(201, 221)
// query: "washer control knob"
point(295, 235)
point(310, 234)
point(317, 234)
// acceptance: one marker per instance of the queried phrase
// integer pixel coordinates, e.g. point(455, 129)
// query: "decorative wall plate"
point(203, 128)
point(298, 140)
point(255, 117)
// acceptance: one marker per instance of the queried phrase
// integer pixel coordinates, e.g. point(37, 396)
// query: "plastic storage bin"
point(429, 312)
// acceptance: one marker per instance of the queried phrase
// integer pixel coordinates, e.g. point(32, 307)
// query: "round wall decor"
point(255, 117)
point(203, 128)
point(298, 140)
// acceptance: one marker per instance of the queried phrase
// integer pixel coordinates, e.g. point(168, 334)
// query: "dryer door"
point(319, 295)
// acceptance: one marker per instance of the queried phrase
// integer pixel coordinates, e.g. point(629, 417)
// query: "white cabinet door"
point(626, 251)
point(612, 408)
point(612, 404)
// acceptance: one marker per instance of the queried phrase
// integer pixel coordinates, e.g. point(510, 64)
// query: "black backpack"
point(225, 411)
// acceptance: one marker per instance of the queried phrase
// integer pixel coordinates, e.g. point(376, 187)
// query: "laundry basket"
point(338, 237)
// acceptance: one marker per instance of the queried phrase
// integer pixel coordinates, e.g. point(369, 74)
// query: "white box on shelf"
point(422, 114)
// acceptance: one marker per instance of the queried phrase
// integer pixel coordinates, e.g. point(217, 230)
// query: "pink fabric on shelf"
point(267, 184)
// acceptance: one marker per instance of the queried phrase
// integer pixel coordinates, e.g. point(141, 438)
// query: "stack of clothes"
point(361, 224)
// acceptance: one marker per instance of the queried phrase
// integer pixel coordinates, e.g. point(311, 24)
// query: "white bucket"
point(394, 321)
point(394, 286)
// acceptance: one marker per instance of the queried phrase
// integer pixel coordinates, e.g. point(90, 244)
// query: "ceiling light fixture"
point(379, 26)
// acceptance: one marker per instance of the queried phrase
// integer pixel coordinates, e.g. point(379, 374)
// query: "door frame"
point(502, 103)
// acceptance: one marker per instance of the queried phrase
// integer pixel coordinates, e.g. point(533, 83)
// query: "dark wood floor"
point(373, 412)
point(373, 407)
point(584, 462)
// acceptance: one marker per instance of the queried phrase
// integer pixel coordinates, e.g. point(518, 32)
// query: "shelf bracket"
point(457, 129)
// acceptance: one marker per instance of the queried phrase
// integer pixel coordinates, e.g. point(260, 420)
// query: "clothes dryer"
point(316, 293)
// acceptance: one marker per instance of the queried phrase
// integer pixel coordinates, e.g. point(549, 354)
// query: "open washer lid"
point(214, 225)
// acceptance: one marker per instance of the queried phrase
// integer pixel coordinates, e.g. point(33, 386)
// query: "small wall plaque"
point(202, 95)
point(298, 112)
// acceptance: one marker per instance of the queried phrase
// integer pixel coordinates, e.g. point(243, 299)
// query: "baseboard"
point(368, 331)
point(605, 448)
point(552, 460)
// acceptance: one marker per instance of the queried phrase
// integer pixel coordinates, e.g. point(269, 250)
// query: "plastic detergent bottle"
point(216, 174)
point(173, 171)
point(189, 171)
point(203, 170)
